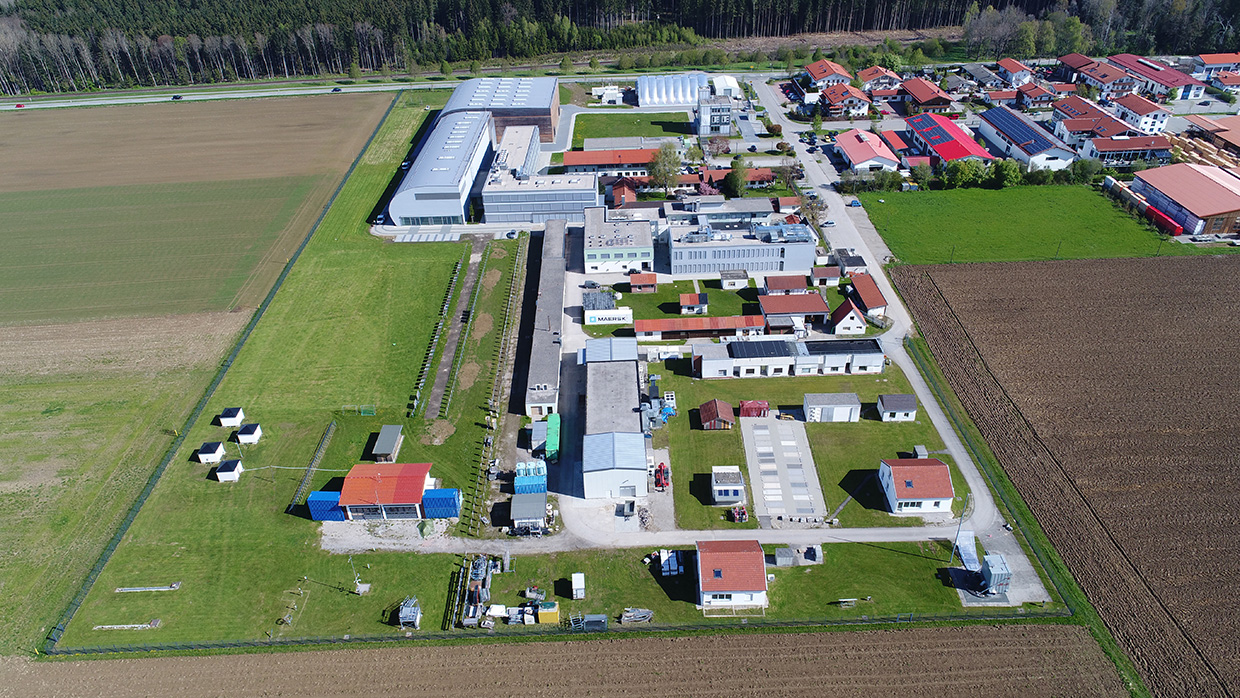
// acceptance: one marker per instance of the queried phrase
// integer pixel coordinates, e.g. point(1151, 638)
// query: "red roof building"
point(608, 160)
point(847, 319)
point(1033, 95)
point(754, 408)
point(825, 276)
point(827, 72)
point(715, 415)
point(844, 99)
point(1159, 78)
point(940, 136)
point(385, 490)
point(877, 76)
point(643, 283)
point(809, 306)
point(1227, 79)
point(693, 304)
point(927, 95)
point(785, 285)
point(696, 327)
point(916, 485)
point(894, 140)
point(865, 151)
point(1005, 97)
point(731, 573)
point(867, 292)
point(1110, 81)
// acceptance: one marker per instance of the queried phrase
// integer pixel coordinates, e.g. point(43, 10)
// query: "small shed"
point(579, 585)
point(211, 452)
point(716, 414)
point(549, 613)
point(529, 510)
point(897, 408)
point(734, 279)
point(727, 484)
point(824, 276)
point(441, 503)
point(387, 446)
point(229, 471)
point(232, 417)
point(693, 304)
point(325, 506)
point(785, 285)
point(643, 283)
point(785, 557)
point(832, 407)
point(249, 434)
point(755, 408)
point(538, 437)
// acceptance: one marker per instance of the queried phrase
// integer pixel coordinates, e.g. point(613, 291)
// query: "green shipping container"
point(553, 437)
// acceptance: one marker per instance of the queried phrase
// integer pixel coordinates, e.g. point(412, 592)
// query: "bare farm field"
point(165, 208)
point(1026, 660)
point(1112, 408)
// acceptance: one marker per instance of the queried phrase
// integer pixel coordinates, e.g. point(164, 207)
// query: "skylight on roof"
point(718, 574)
point(908, 484)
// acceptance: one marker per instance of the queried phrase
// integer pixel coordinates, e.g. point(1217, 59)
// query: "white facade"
point(436, 189)
point(1150, 123)
point(909, 506)
point(851, 324)
point(897, 408)
point(724, 599)
point(233, 417)
point(617, 242)
point(614, 466)
point(832, 407)
point(612, 316)
point(727, 485)
point(1056, 157)
point(232, 474)
point(211, 452)
point(727, 86)
point(660, 90)
point(250, 436)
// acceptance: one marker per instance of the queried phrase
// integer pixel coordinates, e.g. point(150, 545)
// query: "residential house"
point(1142, 114)
point(1226, 81)
point(832, 407)
point(785, 285)
point(1158, 78)
point(842, 100)
point(1207, 65)
point(1077, 119)
point(916, 486)
point(1034, 96)
point(1071, 65)
point(1003, 98)
point(865, 152)
point(867, 294)
point(666, 329)
point(983, 76)
point(954, 84)
point(927, 97)
point(1201, 198)
point(643, 283)
point(940, 137)
point(847, 319)
point(849, 261)
point(1020, 138)
point(731, 574)
point(821, 277)
point(614, 163)
point(727, 485)
point(249, 434)
point(1123, 151)
point(897, 408)
point(825, 73)
point(877, 77)
point(1014, 72)
point(1110, 81)
point(715, 415)
point(693, 304)
point(888, 95)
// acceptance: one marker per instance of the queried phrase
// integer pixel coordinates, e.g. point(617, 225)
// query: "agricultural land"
point(1025, 660)
point(1112, 411)
point(175, 216)
point(1009, 225)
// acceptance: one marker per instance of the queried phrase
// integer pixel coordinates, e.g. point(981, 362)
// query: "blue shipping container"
point(325, 506)
point(441, 504)
point(529, 485)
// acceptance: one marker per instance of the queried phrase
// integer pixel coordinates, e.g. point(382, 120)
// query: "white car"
point(829, 224)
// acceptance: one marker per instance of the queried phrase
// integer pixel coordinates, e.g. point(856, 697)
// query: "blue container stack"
point(441, 504)
point(531, 477)
point(325, 506)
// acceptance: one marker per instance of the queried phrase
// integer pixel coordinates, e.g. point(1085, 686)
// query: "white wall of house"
point(909, 507)
point(732, 598)
point(614, 484)
point(1151, 124)
point(852, 323)
point(1054, 159)
point(835, 413)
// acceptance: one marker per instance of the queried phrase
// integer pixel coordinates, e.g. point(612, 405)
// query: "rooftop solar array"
point(756, 350)
point(843, 346)
point(1025, 134)
point(929, 129)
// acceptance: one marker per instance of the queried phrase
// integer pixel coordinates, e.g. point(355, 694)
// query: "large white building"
point(436, 189)
point(759, 358)
point(618, 241)
point(663, 90)
point(714, 114)
point(511, 102)
point(542, 389)
point(1018, 137)
point(515, 193)
point(1142, 114)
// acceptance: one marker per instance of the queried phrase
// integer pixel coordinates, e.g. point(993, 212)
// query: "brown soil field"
point(1107, 389)
point(1012, 660)
point(185, 142)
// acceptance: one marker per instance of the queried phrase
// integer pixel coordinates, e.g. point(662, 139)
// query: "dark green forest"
point(74, 45)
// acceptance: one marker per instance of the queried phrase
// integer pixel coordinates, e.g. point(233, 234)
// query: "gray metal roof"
point(981, 73)
point(613, 451)
point(545, 352)
point(611, 349)
point(531, 505)
point(445, 156)
point(598, 300)
point(734, 275)
point(538, 433)
point(385, 445)
point(832, 400)
point(612, 397)
point(503, 94)
point(898, 403)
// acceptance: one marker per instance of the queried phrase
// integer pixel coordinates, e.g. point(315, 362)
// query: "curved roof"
point(444, 159)
point(494, 94)
point(658, 90)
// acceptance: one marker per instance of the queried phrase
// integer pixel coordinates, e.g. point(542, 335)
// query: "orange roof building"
point(385, 490)
point(827, 72)
point(731, 573)
point(916, 486)
point(867, 292)
point(699, 327)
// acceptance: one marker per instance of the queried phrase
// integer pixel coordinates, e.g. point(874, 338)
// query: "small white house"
point(229, 471)
point(847, 319)
point(897, 408)
point(916, 486)
point(733, 279)
point(249, 434)
point(232, 417)
point(731, 574)
point(727, 484)
point(832, 407)
point(211, 452)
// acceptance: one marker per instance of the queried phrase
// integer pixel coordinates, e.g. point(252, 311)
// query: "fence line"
point(463, 340)
point(314, 463)
point(432, 347)
point(53, 637)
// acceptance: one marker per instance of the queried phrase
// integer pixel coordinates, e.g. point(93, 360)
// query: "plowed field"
point(1027, 660)
point(1108, 390)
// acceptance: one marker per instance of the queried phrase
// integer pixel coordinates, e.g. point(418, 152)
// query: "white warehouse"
point(436, 188)
point(660, 90)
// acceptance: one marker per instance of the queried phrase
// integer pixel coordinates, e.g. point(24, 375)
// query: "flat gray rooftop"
point(503, 94)
point(832, 400)
point(446, 153)
point(612, 397)
point(548, 314)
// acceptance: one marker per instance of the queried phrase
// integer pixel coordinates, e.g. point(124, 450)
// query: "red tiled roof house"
point(731, 574)
point(916, 486)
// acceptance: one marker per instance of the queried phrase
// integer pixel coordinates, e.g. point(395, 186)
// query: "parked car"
point(176, 98)
point(753, 148)
point(337, 89)
point(590, 284)
point(1204, 103)
point(828, 224)
point(512, 235)
point(854, 204)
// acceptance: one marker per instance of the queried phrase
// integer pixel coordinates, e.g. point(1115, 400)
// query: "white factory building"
point(436, 188)
point(515, 193)
point(660, 90)
point(618, 241)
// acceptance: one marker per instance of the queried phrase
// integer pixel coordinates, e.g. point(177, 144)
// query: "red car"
point(19, 106)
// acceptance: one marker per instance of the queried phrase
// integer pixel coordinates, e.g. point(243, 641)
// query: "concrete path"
point(452, 338)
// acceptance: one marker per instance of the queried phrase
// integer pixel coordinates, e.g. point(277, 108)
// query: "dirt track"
point(1026, 660)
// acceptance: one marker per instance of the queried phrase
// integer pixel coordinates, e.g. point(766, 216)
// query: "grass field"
point(351, 322)
point(845, 454)
point(617, 125)
point(168, 208)
point(1021, 223)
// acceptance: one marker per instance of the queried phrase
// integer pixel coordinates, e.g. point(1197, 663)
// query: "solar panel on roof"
point(755, 350)
point(1028, 137)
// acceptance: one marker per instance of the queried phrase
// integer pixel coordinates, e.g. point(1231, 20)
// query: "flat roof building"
point(387, 446)
point(612, 397)
point(617, 241)
point(436, 189)
point(542, 389)
point(515, 193)
point(754, 248)
point(778, 357)
point(511, 102)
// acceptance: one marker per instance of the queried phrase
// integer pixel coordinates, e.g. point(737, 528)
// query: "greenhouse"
point(659, 90)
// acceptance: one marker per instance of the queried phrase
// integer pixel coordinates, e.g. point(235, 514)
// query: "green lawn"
point(350, 326)
point(616, 125)
point(845, 454)
point(1021, 223)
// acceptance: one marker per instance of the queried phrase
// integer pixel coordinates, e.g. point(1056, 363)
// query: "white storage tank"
point(996, 577)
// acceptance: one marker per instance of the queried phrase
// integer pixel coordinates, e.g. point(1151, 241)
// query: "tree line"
point(72, 45)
